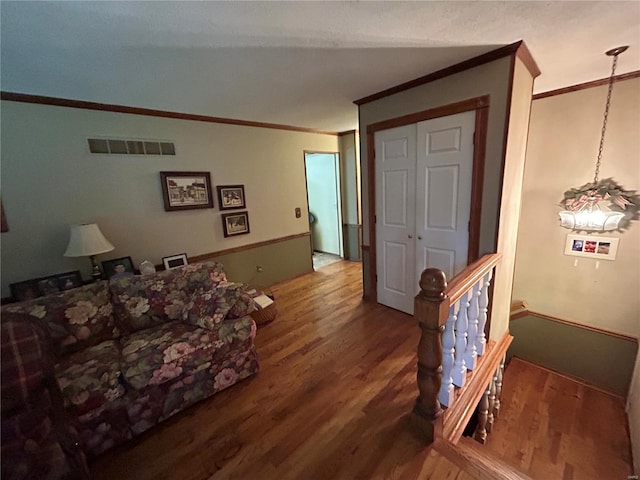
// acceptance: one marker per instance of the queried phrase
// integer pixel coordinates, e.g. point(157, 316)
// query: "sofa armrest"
point(208, 308)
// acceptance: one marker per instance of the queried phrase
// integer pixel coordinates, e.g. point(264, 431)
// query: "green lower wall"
point(603, 360)
point(352, 242)
point(279, 261)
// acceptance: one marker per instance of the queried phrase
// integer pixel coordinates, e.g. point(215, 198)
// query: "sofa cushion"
point(144, 301)
point(76, 319)
point(173, 350)
point(208, 308)
point(90, 378)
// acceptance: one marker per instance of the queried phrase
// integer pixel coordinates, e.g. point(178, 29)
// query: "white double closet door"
point(423, 203)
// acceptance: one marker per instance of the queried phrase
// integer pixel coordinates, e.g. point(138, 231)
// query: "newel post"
point(431, 310)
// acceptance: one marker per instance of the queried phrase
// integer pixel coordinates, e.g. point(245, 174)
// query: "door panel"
point(395, 262)
point(442, 197)
point(443, 204)
point(423, 203)
point(394, 194)
point(395, 216)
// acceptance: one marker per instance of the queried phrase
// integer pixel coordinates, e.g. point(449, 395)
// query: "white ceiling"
point(293, 63)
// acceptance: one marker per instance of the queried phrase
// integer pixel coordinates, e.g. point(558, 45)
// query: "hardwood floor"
point(553, 427)
point(332, 401)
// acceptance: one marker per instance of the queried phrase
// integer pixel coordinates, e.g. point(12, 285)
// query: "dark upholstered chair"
point(38, 442)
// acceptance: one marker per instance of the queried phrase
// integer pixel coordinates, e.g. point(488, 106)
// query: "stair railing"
point(457, 366)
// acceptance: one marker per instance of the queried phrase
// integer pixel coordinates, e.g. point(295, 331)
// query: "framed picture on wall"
point(235, 223)
point(590, 246)
point(231, 197)
point(186, 190)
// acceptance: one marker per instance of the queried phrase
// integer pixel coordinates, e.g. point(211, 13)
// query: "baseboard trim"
point(251, 246)
point(572, 378)
point(552, 318)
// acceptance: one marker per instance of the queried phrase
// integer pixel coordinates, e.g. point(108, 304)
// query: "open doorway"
point(325, 213)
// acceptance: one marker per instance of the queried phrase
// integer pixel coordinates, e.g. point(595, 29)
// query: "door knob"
point(410, 236)
point(419, 237)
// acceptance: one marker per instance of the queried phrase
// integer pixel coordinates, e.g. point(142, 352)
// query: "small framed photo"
point(26, 290)
point(118, 268)
point(175, 261)
point(600, 248)
point(235, 223)
point(186, 190)
point(231, 197)
point(69, 280)
point(39, 287)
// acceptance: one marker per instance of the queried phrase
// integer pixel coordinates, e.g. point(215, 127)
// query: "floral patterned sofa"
point(135, 351)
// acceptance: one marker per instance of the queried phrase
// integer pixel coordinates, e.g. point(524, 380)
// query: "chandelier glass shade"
point(584, 207)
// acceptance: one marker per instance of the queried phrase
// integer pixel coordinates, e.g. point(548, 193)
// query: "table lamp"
point(87, 241)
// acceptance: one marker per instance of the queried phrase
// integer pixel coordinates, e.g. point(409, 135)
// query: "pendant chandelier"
point(585, 208)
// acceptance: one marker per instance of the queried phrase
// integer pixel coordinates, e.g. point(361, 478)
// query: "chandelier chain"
point(604, 122)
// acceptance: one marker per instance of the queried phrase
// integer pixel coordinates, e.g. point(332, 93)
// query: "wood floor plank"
point(553, 427)
point(332, 401)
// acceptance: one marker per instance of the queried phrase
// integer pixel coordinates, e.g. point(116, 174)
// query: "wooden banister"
point(432, 311)
point(457, 417)
point(470, 457)
point(460, 310)
point(468, 277)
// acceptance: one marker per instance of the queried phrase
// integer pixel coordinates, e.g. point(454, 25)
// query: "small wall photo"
point(235, 224)
point(603, 248)
point(231, 197)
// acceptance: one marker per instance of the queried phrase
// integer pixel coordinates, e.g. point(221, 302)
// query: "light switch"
point(298, 212)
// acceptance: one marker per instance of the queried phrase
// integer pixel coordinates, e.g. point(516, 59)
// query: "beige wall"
point(633, 411)
point(488, 79)
point(350, 176)
point(511, 196)
point(562, 150)
point(50, 180)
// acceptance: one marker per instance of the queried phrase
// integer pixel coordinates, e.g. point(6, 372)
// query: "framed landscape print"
point(235, 223)
point(231, 196)
point(186, 190)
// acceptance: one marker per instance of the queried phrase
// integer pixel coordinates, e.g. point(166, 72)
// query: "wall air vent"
point(122, 146)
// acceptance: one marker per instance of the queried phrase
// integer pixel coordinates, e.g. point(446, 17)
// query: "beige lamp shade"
point(87, 240)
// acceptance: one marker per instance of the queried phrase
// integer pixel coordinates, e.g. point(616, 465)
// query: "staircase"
point(461, 372)
point(458, 368)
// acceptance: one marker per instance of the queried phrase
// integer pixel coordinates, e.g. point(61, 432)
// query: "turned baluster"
point(472, 332)
point(497, 403)
point(483, 305)
point(492, 403)
point(483, 410)
point(459, 373)
point(448, 345)
point(431, 310)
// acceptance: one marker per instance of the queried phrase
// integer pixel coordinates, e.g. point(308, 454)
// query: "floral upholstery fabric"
point(91, 377)
point(107, 427)
point(76, 319)
point(135, 351)
point(144, 301)
point(208, 308)
point(166, 352)
point(156, 403)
